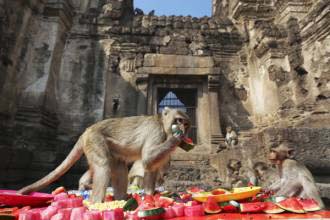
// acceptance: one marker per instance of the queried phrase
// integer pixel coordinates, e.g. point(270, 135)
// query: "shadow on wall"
point(232, 110)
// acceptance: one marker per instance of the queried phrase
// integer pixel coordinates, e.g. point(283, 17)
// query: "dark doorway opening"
point(183, 99)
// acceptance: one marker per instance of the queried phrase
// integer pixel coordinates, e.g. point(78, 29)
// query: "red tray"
point(237, 216)
point(11, 198)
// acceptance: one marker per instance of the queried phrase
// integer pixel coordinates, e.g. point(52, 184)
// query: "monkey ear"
point(166, 111)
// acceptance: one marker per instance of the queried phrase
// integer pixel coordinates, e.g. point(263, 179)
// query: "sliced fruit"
point(194, 189)
point(272, 208)
point(186, 144)
point(58, 190)
point(149, 200)
point(164, 202)
point(236, 194)
point(229, 208)
point(130, 205)
point(252, 207)
point(219, 191)
point(196, 210)
point(309, 205)
point(292, 205)
point(192, 203)
point(138, 198)
point(211, 206)
point(150, 212)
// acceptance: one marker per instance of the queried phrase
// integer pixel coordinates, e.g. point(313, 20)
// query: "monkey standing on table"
point(110, 144)
point(295, 178)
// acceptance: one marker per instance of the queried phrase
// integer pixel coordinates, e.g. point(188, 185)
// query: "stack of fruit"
point(162, 205)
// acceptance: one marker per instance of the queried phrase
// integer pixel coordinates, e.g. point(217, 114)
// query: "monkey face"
point(175, 117)
point(272, 157)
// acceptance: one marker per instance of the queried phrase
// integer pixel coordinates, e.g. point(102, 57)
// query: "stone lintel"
point(252, 10)
point(292, 8)
point(177, 61)
point(60, 8)
point(177, 71)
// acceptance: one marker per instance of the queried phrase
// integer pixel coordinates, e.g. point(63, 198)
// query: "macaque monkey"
point(136, 174)
point(233, 167)
point(247, 176)
point(266, 175)
point(231, 136)
point(110, 144)
point(295, 179)
point(238, 176)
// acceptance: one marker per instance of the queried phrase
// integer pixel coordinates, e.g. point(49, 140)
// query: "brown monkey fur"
point(295, 178)
point(110, 144)
point(266, 175)
point(135, 176)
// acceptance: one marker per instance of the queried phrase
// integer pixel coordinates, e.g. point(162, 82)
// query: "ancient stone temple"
point(262, 67)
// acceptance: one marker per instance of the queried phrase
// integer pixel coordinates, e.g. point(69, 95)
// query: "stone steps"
point(185, 173)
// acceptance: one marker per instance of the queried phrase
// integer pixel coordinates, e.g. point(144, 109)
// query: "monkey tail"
point(69, 161)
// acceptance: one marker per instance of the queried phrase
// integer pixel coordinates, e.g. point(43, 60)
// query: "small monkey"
point(231, 137)
point(111, 144)
point(295, 179)
point(266, 175)
point(233, 167)
point(238, 176)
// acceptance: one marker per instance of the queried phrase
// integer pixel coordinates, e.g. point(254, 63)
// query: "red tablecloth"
point(237, 216)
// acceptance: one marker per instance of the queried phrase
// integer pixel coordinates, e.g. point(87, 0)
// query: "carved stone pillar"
point(142, 85)
point(216, 136)
point(36, 119)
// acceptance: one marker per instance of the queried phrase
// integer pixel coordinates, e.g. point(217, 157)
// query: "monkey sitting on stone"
point(110, 144)
point(231, 137)
point(266, 175)
point(295, 179)
point(238, 176)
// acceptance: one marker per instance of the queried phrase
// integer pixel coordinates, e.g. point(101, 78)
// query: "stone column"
point(36, 119)
point(142, 85)
point(216, 136)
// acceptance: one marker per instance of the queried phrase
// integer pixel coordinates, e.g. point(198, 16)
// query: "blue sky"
point(196, 8)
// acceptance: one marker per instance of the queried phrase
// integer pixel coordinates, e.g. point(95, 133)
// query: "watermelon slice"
point(292, 205)
point(211, 206)
point(186, 144)
point(252, 207)
point(219, 191)
point(163, 202)
point(272, 208)
point(130, 205)
point(153, 212)
point(194, 189)
point(309, 205)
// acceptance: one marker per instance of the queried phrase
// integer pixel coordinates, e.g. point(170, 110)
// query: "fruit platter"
point(195, 204)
